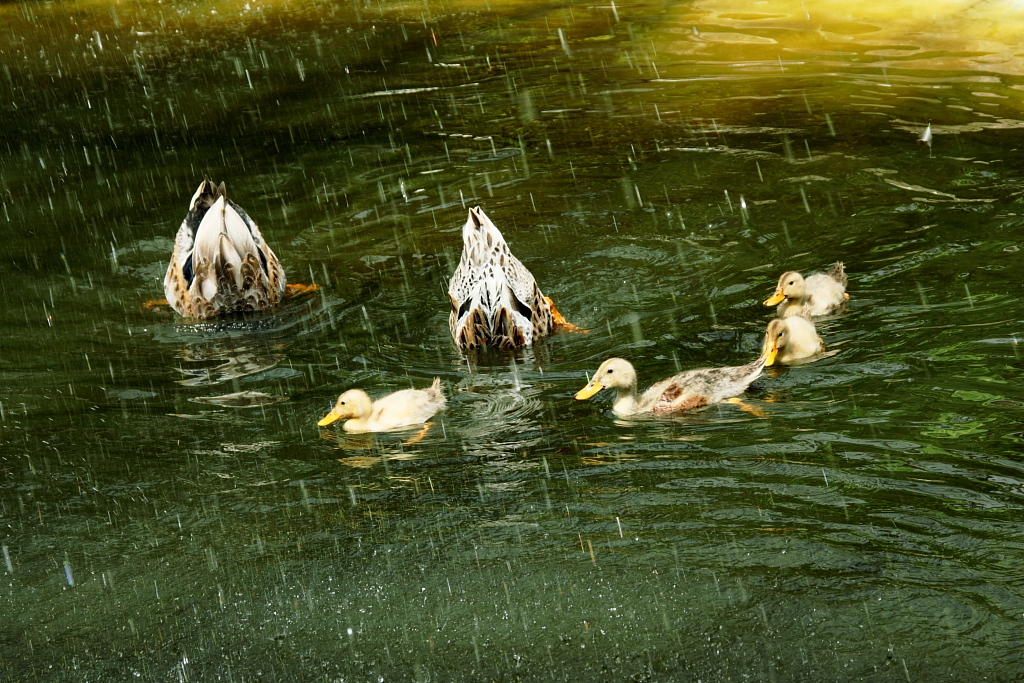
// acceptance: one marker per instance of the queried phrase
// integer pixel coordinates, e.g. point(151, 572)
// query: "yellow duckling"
point(791, 338)
point(820, 294)
point(221, 264)
point(495, 300)
point(405, 408)
point(685, 391)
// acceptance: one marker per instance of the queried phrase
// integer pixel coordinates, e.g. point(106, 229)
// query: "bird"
point(495, 300)
point(405, 408)
point(685, 391)
point(820, 294)
point(221, 264)
point(792, 338)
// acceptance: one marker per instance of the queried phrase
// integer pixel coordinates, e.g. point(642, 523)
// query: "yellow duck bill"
point(775, 299)
point(330, 418)
point(593, 386)
point(769, 357)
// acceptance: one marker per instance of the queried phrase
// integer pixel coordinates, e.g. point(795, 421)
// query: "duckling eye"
point(792, 282)
point(610, 371)
point(342, 403)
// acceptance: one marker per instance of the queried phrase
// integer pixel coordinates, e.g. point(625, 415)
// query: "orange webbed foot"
point(157, 305)
point(291, 291)
point(756, 412)
point(561, 324)
point(419, 435)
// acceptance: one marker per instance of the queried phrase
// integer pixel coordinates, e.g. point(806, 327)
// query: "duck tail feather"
point(838, 273)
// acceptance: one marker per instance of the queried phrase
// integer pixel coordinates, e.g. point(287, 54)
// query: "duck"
point(221, 264)
point(686, 391)
point(405, 408)
point(495, 300)
point(791, 338)
point(820, 294)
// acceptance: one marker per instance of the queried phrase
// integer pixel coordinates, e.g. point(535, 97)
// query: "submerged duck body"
point(221, 263)
point(405, 408)
point(495, 299)
point(817, 295)
point(792, 338)
point(686, 391)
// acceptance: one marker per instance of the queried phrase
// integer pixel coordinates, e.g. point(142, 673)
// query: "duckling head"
point(775, 339)
point(614, 373)
point(791, 286)
point(354, 403)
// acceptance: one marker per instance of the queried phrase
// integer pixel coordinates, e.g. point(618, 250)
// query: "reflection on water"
point(656, 167)
point(227, 364)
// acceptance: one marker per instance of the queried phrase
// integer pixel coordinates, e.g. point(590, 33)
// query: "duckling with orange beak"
point(405, 408)
point(686, 391)
point(790, 339)
point(820, 294)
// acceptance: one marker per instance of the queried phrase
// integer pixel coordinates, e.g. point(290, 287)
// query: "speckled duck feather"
point(495, 300)
point(221, 264)
point(697, 388)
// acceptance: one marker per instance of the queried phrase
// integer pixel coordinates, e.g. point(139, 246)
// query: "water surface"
point(657, 166)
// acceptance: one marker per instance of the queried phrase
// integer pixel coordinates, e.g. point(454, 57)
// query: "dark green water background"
point(866, 527)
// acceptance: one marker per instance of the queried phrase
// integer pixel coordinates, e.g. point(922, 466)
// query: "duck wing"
point(696, 388)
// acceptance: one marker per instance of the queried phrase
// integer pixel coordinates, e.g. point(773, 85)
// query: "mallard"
point(221, 264)
point(685, 391)
point(820, 294)
point(791, 338)
point(405, 408)
point(495, 300)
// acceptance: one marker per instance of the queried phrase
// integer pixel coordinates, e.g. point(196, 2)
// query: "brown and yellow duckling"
point(405, 408)
point(686, 391)
point(817, 295)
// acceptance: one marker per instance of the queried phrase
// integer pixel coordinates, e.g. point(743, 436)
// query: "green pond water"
point(657, 166)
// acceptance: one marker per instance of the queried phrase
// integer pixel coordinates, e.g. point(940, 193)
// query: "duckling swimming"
point(221, 263)
point(791, 338)
point(818, 295)
point(495, 300)
point(685, 391)
point(405, 408)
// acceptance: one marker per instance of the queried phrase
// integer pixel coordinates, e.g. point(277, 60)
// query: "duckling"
point(495, 300)
point(405, 408)
point(791, 338)
point(221, 263)
point(818, 295)
point(685, 391)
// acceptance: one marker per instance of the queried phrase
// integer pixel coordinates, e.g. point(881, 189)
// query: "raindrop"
point(565, 44)
point(67, 569)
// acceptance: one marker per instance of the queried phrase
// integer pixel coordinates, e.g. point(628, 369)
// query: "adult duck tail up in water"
point(495, 299)
point(221, 264)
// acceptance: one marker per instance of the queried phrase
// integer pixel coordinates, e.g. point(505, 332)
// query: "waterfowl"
point(685, 391)
point(405, 408)
point(791, 338)
point(495, 300)
point(820, 294)
point(221, 264)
